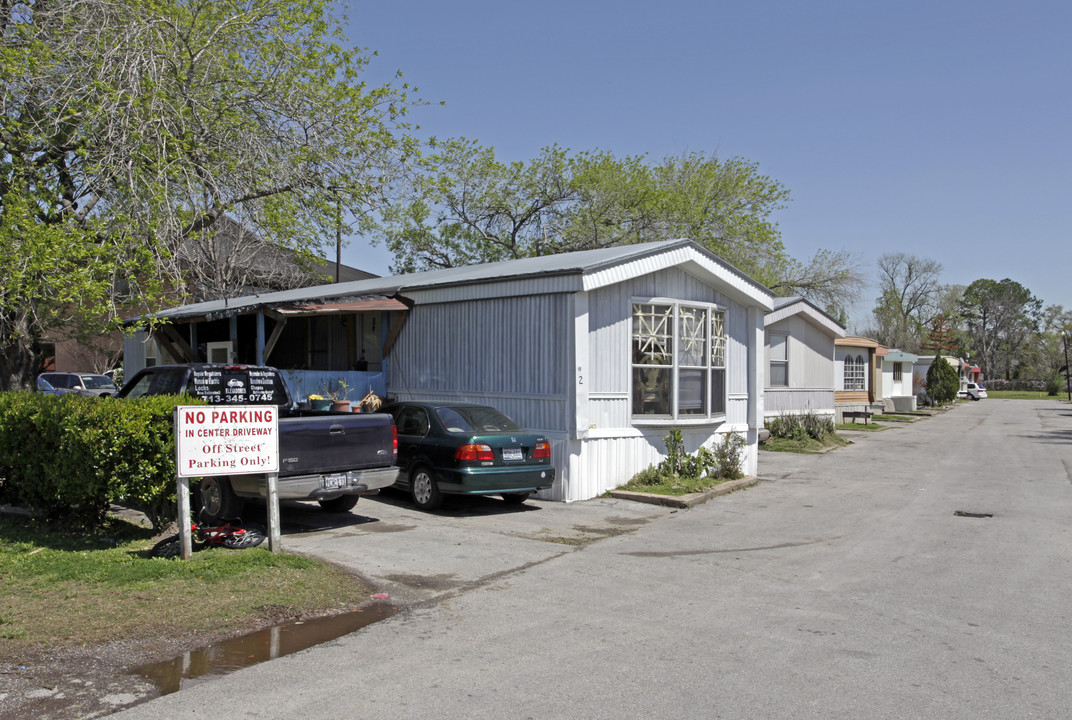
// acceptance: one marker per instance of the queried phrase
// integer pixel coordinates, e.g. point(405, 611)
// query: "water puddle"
point(229, 655)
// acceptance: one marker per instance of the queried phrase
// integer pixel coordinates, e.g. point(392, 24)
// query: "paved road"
point(841, 586)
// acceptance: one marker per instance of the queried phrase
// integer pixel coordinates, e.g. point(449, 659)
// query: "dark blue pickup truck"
point(331, 457)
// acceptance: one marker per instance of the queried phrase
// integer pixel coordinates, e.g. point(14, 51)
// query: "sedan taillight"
point(542, 450)
point(473, 453)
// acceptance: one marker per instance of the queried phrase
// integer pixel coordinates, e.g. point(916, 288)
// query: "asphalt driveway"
point(842, 585)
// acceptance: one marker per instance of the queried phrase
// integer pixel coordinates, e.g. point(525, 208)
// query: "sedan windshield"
point(97, 382)
point(476, 419)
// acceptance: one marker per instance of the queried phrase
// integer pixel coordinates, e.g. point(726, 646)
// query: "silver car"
point(89, 384)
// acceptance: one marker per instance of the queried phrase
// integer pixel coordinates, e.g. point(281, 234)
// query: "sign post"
point(186, 545)
point(226, 440)
point(273, 512)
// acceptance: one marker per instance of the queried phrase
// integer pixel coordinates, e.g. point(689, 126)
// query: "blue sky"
point(940, 129)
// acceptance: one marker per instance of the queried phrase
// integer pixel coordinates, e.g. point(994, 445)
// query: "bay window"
point(679, 360)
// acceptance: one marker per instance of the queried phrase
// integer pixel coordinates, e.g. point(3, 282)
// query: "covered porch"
point(332, 347)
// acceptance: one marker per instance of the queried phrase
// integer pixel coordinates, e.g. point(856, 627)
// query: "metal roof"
point(598, 265)
point(785, 307)
point(902, 356)
point(862, 342)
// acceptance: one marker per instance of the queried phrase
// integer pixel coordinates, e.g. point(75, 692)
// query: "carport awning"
point(387, 304)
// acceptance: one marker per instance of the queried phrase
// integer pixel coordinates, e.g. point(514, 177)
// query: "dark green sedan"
point(461, 449)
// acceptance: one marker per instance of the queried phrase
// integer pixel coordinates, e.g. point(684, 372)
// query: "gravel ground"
point(61, 683)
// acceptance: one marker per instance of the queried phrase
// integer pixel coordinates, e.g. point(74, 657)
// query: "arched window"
point(854, 372)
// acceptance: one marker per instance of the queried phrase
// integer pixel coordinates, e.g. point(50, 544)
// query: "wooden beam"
point(396, 328)
point(179, 341)
point(280, 323)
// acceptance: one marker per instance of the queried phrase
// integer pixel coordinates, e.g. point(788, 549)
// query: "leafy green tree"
point(942, 381)
point(130, 127)
point(1001, 317)
point(467, 207)
point(1050, 358)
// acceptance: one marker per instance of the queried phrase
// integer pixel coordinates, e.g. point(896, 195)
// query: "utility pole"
point(338, 236)
point(1068, 370)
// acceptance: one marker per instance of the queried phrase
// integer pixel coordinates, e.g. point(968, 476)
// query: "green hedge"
point(67, 458)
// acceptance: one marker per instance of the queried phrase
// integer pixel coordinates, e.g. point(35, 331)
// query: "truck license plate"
point(513, 454)
point(337, 480)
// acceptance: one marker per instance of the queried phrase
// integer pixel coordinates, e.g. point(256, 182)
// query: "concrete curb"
point(684, 501)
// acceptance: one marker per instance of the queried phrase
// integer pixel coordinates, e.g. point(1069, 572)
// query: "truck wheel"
point(515, 498)
point(217, 499)
point(341, 504)
point(424, 489)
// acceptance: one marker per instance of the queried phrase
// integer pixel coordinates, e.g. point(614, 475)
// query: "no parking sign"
point(227, 440)
point(236, 440)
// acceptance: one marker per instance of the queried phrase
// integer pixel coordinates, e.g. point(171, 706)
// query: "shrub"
point(1019, 384)
point(724, 463)
point(942, 381)
point(728, 456)
point(800, 426)
point(67, 458)
point(1055, 384)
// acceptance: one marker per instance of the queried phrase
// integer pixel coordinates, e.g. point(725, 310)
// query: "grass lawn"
point(807, 445)
point(1023, 395)
point(886, 418)
point(869, 426)
point(78, 589)
point(675, 487)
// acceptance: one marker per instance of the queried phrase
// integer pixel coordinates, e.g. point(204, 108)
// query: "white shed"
point(898, 391)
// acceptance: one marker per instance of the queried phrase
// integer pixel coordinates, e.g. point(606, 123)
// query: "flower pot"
point(322, 404)
point(340, 405)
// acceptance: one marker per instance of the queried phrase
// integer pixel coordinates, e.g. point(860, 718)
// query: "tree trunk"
point(20, 353)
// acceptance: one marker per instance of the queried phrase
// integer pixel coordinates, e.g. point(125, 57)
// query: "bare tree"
point(832, 279)
point(910, 289)
point(230, 260)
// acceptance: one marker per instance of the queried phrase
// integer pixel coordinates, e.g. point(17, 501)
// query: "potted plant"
point(370, 403)
point(336, 391)
point(319, 402)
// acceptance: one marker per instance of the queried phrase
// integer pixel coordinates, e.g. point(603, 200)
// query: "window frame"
point(898, 372)
point(854, 374)
point(784, 361)
point(682, 359)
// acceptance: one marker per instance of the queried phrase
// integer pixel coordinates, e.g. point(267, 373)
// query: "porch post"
point(260, 337)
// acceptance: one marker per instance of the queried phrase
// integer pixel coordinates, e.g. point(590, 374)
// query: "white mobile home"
point(800, 358)
point(603, 350)
point(898, 391)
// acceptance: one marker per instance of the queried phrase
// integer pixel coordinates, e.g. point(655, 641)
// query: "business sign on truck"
point(227, 440)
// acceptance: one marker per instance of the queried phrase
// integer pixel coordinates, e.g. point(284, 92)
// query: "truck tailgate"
point(334, 442)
